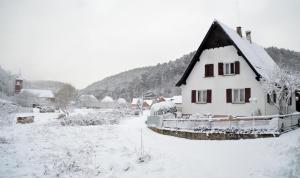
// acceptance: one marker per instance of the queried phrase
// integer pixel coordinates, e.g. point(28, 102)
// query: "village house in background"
point(226, 74)
point(32, 97)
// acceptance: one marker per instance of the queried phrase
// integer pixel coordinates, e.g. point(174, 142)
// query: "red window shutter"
point(211, 70)
point(268, 98)
point(237, 67)
point(193, 96)
point(208, 97)
point(220, 68)
point(228, 95)
point(274, 97)
point(232, 68)
point(247, 94)
point(290, 100)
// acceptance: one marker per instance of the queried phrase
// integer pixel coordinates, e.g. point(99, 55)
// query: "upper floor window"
point(209, 70)
point(229, 68)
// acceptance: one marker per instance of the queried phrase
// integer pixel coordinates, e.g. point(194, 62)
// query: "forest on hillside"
point(161, 79)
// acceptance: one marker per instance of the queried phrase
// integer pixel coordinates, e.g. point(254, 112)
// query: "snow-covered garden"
point(110, 143)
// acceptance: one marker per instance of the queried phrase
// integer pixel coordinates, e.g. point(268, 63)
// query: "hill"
point(161, 79)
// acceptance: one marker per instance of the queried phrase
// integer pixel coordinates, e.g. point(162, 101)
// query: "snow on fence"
point(274, 122)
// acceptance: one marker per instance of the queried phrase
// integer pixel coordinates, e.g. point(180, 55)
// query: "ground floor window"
point(238, 95)
point(201, 96)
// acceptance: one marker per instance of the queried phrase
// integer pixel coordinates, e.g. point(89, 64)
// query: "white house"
point(29, 97)
point(225, 72)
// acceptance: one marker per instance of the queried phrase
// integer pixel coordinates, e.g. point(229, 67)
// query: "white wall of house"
point(219, 83)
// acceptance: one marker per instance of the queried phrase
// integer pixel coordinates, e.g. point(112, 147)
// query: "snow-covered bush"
point(122, 103)
point(107, 102)
point(88, 101)
point(94, 118)
point(274, 123)
point(163, 108)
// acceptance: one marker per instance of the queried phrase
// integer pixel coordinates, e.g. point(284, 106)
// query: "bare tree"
point(280, 86)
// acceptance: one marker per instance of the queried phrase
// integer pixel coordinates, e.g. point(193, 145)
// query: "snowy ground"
point(45, 148)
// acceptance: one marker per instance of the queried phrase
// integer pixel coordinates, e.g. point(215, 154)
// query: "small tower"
point(18, 84)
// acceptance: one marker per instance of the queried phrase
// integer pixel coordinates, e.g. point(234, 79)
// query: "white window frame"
point(229, 68)
point(203, 96)
point(239, 98)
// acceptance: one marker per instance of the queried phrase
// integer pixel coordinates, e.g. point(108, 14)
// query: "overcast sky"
point(81, 42)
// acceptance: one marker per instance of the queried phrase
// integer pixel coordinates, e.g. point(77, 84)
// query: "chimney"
point(248, 36)
point(239, 31)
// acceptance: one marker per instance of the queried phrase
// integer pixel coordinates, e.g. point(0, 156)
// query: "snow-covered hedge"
point(163, 108)
point(95, 118)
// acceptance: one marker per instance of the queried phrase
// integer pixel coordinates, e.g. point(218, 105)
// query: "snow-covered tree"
point(89, 101)
point(280, 86)
point(66, 94)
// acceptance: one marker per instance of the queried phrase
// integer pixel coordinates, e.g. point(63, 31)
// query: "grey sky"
point(81, 42)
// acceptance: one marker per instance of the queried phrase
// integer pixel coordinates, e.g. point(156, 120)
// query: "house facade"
point(224, 76)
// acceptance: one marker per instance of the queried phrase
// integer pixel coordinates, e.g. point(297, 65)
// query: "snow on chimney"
point(239, 31)
point(248, 36)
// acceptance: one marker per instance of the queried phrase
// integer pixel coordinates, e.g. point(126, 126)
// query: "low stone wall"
point(210, 136)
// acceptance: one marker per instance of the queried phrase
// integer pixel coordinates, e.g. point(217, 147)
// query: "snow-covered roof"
point(149, 102)
point(107, 99)
point(135, 100)
point(255, 54)
point(162, 106)
point(176, 99)
point(122, 101)
point(39, 93)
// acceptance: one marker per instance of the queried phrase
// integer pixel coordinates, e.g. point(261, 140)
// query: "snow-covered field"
point(46, 148)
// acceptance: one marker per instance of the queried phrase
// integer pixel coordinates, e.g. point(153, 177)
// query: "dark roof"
point(217, 36)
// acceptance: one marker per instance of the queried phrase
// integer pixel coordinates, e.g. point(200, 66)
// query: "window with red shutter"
point(209, 70)
point(247, 94)
point(268, 98)
point(228, 95)
point(193, 96)
point(209, 95)
point(220, 68)
point(237, 67)
point(231, 68)
point(274, 97)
